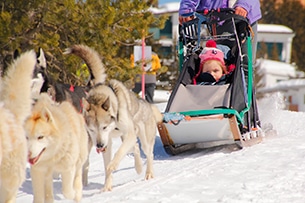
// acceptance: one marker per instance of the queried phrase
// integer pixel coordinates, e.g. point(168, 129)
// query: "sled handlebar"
point(207, 12)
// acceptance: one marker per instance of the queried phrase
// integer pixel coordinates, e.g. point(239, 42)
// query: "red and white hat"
point(210, 52)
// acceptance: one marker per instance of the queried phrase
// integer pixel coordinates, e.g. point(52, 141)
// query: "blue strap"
point(175, 118)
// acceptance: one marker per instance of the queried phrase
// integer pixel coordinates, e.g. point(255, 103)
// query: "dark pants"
point(149, 90)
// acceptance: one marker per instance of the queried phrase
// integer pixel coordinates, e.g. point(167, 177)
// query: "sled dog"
point(38, 75)
point(42, 82)
point(57, 142)
point(15, 107)
point(39, 70)
point(116, 111)
point(97, 73)
point(113, 110)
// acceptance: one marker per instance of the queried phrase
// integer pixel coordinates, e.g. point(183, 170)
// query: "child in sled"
point(212, 70)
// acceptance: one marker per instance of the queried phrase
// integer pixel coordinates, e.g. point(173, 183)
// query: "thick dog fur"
point(97, 74)
point(59, 92)
point(92, 60)
point(15, 107)
point(57, 142)
point(115, 111)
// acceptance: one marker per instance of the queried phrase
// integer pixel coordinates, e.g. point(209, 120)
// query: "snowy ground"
point(269, 172)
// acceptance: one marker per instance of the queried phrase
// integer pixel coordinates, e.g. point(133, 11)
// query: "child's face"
point(214, 68)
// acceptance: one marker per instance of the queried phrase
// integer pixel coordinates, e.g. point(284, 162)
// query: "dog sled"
point(211, 115)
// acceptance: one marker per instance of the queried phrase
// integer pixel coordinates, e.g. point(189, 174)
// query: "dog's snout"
point(99, 145)
point(100, 148)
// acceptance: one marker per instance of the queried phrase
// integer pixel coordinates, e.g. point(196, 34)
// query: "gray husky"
point(113, 110)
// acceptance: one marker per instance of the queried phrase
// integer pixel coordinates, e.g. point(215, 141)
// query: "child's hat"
point(210, 52)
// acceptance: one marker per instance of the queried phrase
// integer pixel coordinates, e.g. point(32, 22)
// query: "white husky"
point(57, 142)
point(15, 107)
point(113, 110)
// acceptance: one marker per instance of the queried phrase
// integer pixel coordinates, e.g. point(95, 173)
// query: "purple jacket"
point(252, 6)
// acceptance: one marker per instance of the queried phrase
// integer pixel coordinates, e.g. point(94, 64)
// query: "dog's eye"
point(40, 137)
point(104, 128)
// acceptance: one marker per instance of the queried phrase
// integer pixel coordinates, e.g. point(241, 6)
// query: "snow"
point(274, 28)
point(292, 84)
point(273, 67)
point(272, 171)
point(278, 76)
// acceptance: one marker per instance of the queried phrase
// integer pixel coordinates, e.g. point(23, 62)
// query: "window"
point(270, 50)
point(166, 32)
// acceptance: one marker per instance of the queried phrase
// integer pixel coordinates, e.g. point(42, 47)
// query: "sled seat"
point(204, 129)
point(197, 97)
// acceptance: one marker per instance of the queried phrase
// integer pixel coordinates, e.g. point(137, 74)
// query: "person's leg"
point(254, 109)
point(254, 42)
point(137, 88)
point(149, 92)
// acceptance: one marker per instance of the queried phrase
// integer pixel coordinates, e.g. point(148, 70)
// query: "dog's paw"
point(106, 188)
point(108, 183)
point(69, 194)
point(149, 176)
point(49, 200)
point(78, 196)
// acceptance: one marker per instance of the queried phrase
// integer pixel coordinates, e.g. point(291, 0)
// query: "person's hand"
point(241, 11)
point(185, 19)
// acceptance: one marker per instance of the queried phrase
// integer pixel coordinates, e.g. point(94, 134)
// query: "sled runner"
point(213, 114)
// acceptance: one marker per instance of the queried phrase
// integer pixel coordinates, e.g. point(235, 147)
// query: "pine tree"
point(110, 27)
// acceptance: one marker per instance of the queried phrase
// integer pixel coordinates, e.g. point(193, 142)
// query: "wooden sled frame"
point(253, 136)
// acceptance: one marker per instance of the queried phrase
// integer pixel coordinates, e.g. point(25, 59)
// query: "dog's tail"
point(122, 93)
point(157, 114)
point(92, 60)
point(16, 86)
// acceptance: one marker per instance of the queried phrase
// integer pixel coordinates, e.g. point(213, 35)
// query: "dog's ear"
point(16, 54)
point(85, 104)
point(41, 59)
point(47, 115)
point(106, 104)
